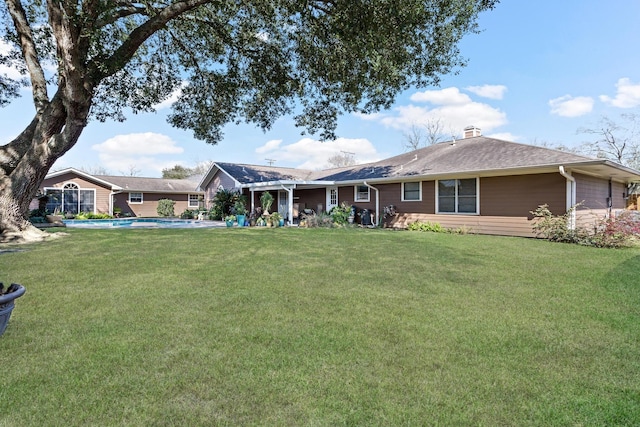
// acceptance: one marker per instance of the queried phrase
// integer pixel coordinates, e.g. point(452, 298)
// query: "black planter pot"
point(7, 302)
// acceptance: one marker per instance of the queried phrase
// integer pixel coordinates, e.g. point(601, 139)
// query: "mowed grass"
point(319, 327)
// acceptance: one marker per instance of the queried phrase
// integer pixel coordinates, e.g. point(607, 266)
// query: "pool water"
point(141, 223)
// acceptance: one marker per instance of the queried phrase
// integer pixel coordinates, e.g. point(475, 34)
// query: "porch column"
point(289, 190)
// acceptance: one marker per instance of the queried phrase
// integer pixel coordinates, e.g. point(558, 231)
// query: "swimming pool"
point(141, 223)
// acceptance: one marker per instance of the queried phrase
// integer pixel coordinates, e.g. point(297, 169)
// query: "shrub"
point(223, 202)
point(612, 232)
point(165, 207)
point(37, 213)
point(91, 215)
point(463, 229)
point(554, 228)
point(189, 214)
point(316, 220)
point(616, 232)
point(426, 226)
point(340, 214)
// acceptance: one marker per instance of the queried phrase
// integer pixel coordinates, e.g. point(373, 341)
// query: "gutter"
point(571, 197)
point(377, 202)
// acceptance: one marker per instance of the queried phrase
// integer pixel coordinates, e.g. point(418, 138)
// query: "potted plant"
point(240, 211)
point(276, 219)
point(7, 302)
point(229, 219)
point(255, 214)
point(266, 200)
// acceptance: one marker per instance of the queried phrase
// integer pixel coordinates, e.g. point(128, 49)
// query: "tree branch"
point(105, 67)
point(36, 73)
point(120, 13)
point(11, 153)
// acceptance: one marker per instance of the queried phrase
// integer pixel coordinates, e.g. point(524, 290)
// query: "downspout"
point(571, 197)
point(610, 199)
point(289, 203)
point(377, 202)
point(113, 193)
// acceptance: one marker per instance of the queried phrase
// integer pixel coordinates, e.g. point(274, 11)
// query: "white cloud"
point(147, 143)
point(628, 95)
point(309, 153)
point(139, 150)
point(454, 109)
point(448, 96)
point(271, 145)
point(369, 117)
point(488, 91)
point(568, 106)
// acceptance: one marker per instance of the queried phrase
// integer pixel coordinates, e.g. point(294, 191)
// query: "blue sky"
point(537, 73)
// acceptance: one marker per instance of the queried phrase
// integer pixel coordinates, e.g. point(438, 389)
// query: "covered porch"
point(293, 197)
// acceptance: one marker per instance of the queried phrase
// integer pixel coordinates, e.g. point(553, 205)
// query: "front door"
point(332, 198)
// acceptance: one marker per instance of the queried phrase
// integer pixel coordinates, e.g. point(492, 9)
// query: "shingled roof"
point(151, 185)
point(468, 155)
point(474, 155)
point(249, 174)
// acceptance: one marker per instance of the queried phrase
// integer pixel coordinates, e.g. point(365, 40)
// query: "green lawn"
point(319, 327)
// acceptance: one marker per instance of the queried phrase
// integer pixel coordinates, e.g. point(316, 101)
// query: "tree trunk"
point(26, 160)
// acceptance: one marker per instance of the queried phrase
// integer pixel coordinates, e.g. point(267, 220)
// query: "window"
point(87, 198)
point(194, 201)
point(411, 191)
point(361, 193)
point(70, 199)
point(54, 203)
point(458, 196)
point(135, 197)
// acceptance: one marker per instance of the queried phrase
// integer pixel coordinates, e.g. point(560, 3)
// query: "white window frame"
point(70, 185)
point(93, 190)
point(477, 212)
point(356, 193)
point(419, 199)
point(197, 200)
point(135, 202)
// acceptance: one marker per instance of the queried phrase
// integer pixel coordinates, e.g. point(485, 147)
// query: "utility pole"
point(270, 161)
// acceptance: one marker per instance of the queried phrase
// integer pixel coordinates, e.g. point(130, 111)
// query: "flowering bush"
point(619, 231)
point(613, 232)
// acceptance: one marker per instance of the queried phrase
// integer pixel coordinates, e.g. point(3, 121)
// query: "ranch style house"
point(487, 185)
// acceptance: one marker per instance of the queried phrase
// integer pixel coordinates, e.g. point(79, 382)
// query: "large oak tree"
point(236, 60)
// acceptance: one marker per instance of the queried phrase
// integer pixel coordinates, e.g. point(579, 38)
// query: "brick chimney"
point(471, 131)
